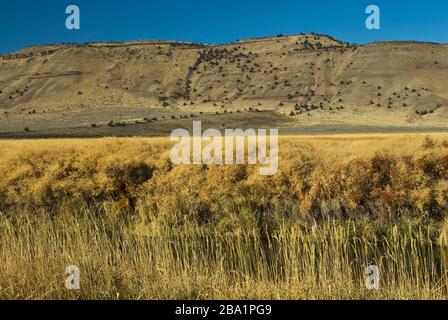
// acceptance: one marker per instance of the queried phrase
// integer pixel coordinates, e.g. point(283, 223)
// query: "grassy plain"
point(140, 228)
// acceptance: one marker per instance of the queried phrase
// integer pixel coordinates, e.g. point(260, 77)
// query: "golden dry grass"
point(140, 228)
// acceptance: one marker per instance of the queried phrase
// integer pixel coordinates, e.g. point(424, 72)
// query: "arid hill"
point(308, 79)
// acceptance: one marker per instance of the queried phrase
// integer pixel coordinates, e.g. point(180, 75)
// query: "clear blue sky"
point(27, 22)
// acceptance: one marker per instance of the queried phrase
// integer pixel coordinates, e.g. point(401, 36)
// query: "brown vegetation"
point(140, 228)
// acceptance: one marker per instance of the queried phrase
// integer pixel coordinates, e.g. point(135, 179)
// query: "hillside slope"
point(310, 78)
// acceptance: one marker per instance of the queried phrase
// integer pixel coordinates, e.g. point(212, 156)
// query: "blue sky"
point(28, 22)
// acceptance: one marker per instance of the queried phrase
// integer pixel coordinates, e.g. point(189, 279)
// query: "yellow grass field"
point(139, 227)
